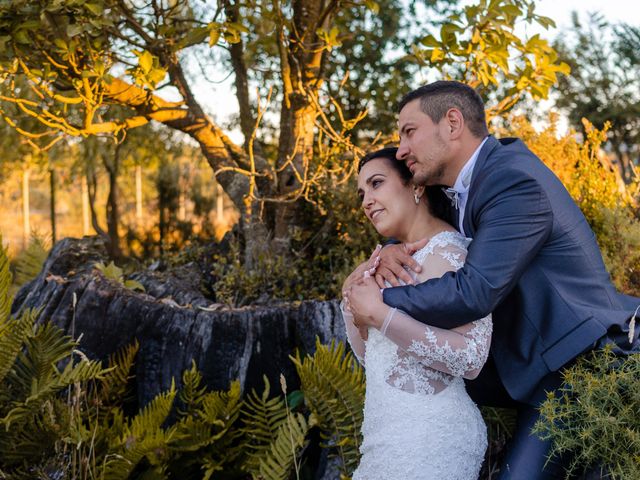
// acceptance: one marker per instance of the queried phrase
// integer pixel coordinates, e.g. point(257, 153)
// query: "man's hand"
point(364, 300)
point(393, 258)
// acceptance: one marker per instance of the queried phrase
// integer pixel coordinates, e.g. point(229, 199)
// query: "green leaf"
point(134, 285)
point(111, 271)
point(94, 8)
point(238, 27)
point(429, 41)
point(22, 37)
point(511, 10)
point(194, 36)
point(437, 55)
point(546, 22)
point(74, 29)
point(295, 399)
point(61, 44)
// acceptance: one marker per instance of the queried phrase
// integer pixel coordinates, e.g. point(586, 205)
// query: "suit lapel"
point(490, 145)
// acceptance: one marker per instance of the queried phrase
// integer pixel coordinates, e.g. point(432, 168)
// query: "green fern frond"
point(35, 366)
point(5, 284)
point(261, 417)
point(191, 435)
point(29, 262)
point(143, 437)
point(41, 392)
point(279, 459)
point(119, 466)
point(209, 416)
point(153, 415)
point(222, 408)
point(13, 334)
point(206, 436)
point(115, 382)
point(333, 385)
point(191, 394)
point(31, 438)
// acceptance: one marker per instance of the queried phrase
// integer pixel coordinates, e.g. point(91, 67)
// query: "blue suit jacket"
point(533, 262)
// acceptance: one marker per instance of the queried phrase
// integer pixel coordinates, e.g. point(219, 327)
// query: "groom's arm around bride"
point(533, 262)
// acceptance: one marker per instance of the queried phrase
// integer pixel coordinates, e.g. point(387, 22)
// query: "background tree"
point(83, 58)
point(604, 85)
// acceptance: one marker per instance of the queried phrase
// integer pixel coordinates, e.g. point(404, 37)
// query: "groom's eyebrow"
point(403, 129)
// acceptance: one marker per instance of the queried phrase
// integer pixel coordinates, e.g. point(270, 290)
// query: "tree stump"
point(173, 322)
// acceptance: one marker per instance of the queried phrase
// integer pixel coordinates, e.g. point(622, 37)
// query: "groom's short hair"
point(438, 97)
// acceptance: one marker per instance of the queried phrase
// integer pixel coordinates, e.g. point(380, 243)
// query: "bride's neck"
point(422, 225)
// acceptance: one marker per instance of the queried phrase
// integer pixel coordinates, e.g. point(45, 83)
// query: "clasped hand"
point(361, 289)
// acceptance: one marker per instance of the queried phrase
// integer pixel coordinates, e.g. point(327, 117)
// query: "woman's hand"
point(364, 301)
point(393, 259)
point(366, 268)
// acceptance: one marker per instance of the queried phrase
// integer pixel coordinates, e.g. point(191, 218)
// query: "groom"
point(533, 262)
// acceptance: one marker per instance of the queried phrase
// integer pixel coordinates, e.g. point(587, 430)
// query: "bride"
point(419, 422)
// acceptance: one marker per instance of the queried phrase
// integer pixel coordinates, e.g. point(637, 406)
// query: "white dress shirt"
point(461, 186)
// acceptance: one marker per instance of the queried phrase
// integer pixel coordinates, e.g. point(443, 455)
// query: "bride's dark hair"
point(439, 204)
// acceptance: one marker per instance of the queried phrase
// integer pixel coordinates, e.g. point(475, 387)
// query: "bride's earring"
point(417, 193)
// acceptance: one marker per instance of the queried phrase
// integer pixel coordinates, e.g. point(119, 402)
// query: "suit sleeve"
point(513, 219)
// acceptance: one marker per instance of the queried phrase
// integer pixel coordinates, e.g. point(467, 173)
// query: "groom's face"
point(422, 145)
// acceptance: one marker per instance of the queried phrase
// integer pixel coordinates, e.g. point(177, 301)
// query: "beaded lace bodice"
point(419, 422)
point(427, 358)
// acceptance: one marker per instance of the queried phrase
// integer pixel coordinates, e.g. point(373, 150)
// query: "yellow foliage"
point(583, 168)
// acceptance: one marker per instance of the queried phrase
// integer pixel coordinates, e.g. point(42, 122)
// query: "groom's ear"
point(454, 123)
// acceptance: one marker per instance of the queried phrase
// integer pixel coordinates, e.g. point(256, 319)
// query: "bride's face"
point(386, 200)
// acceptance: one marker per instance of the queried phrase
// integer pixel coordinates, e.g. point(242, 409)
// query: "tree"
point(83, 58)
point(604, 84)
point(21, 154)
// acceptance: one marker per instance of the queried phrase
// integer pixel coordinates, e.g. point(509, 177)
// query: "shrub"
point(594, 417)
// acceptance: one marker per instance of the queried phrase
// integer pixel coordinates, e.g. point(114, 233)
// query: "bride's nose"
point(367, 200)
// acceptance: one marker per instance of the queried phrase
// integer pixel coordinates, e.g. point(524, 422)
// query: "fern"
point(191, 394)
point(13, 334)
point(29, 262)
point(333, 385)
point(5, 284)
point(206, 434)
point(35, 366)
point(41, 392)
point(114, 383)
point(279, 459)
point(261, 417)
point(142, 438)
point(32, 437)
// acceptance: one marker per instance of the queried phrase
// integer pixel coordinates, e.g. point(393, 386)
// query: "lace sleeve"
point(460, 352)
point(353, 334)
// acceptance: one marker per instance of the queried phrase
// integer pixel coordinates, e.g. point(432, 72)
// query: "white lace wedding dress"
point(419, 422)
